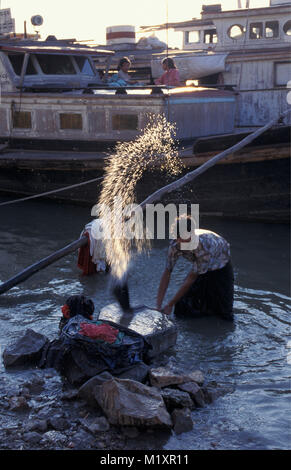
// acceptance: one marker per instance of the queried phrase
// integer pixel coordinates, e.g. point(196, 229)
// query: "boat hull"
point(254, 185)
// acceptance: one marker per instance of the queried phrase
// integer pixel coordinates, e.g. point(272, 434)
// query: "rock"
point(176, 399)
point(44, 413)
point(36, 386)
point(87, 391)
point(171, 375)
point(165, 376)
point(195, 376)
point(194, 391)
point(98, 425)
point(32, 438)
point(26, 351)
point(131, 433)
point(139, 373)
point(182, 420)
point(39, 425)
point(71, 395)
point(211, 393)
point(24, 392)
point(130, 403)
point(59, 423)
point(18, 404)
point(54, 437)
point(156, 328)
point(82, 440)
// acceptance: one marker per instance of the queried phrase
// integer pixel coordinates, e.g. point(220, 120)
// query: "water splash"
point(154, 149)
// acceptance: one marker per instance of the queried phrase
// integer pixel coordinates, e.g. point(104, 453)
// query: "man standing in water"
point(208, 287)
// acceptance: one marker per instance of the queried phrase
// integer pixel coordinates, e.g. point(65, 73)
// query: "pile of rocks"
point(141, 398)
point(162, 397)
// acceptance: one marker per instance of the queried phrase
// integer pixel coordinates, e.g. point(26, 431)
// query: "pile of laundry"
point(86, 348)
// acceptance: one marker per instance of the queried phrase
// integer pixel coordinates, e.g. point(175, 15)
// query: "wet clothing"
point(100, 331)
point(212, 292)
point(212, 253)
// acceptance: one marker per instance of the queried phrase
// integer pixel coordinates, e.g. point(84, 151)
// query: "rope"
point(51, 192)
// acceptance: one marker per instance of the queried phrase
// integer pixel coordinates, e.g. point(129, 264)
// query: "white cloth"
point(97, 248)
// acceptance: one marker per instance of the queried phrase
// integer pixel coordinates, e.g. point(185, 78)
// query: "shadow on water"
point(248, 357)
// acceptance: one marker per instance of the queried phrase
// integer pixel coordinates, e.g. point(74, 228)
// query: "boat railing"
point(119, 90)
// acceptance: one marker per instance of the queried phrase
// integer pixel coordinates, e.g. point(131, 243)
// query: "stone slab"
point(160, 332)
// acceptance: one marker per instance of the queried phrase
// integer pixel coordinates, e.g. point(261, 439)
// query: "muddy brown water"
point(250, 357)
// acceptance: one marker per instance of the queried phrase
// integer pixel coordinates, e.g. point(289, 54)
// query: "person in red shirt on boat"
point(171, 76)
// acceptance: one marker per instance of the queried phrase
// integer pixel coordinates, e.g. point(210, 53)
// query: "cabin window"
point(71, 121)
point(272, 29)
point(256, 30)
point(282, 73)
point(210, 36)
point(56, 64)
point(287, 28)
point(122, 122)
point(84, 65)
point(17, 60)
point(21, 119)
point(192, 37)
point(236, 31)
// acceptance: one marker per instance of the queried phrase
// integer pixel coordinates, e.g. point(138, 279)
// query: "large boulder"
point(130, 403)
point(171, 375)
point(156, 328)
point(26, 351)
point(87, 391)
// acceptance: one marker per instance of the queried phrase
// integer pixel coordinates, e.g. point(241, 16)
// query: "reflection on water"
point(250, 356)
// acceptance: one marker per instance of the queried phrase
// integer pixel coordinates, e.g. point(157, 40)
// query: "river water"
point(250, 357)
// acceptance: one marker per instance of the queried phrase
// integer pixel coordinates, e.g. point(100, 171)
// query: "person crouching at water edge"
point(209, 286)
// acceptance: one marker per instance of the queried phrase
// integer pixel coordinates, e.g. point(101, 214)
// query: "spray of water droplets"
point(153, 149)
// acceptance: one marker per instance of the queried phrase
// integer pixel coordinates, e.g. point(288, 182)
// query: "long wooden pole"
point(28, 272)
point(157, 195)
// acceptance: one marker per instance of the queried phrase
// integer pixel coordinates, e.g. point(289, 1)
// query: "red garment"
point(85, 259)
point(104, 332)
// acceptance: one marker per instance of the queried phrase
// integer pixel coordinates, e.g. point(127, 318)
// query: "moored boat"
point(56, 114)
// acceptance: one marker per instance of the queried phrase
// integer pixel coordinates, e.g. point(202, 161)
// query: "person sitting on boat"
point(171, 75)
point(209, 286)
point(123, 68)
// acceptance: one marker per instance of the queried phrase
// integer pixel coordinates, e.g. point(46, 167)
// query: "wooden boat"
point(57, 124)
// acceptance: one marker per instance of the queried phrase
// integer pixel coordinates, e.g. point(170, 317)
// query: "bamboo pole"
point(28, 272)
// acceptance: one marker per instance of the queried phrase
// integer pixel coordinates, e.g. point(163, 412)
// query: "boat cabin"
point(249, 28)
point(39, 65)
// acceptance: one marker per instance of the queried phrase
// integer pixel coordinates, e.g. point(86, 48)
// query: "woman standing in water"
point(209, 286)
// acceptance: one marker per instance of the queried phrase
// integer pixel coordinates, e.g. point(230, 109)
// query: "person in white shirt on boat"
point(123, 68)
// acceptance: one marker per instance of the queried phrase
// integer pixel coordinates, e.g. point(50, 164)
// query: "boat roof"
point(42, 48)
point(207, 17)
